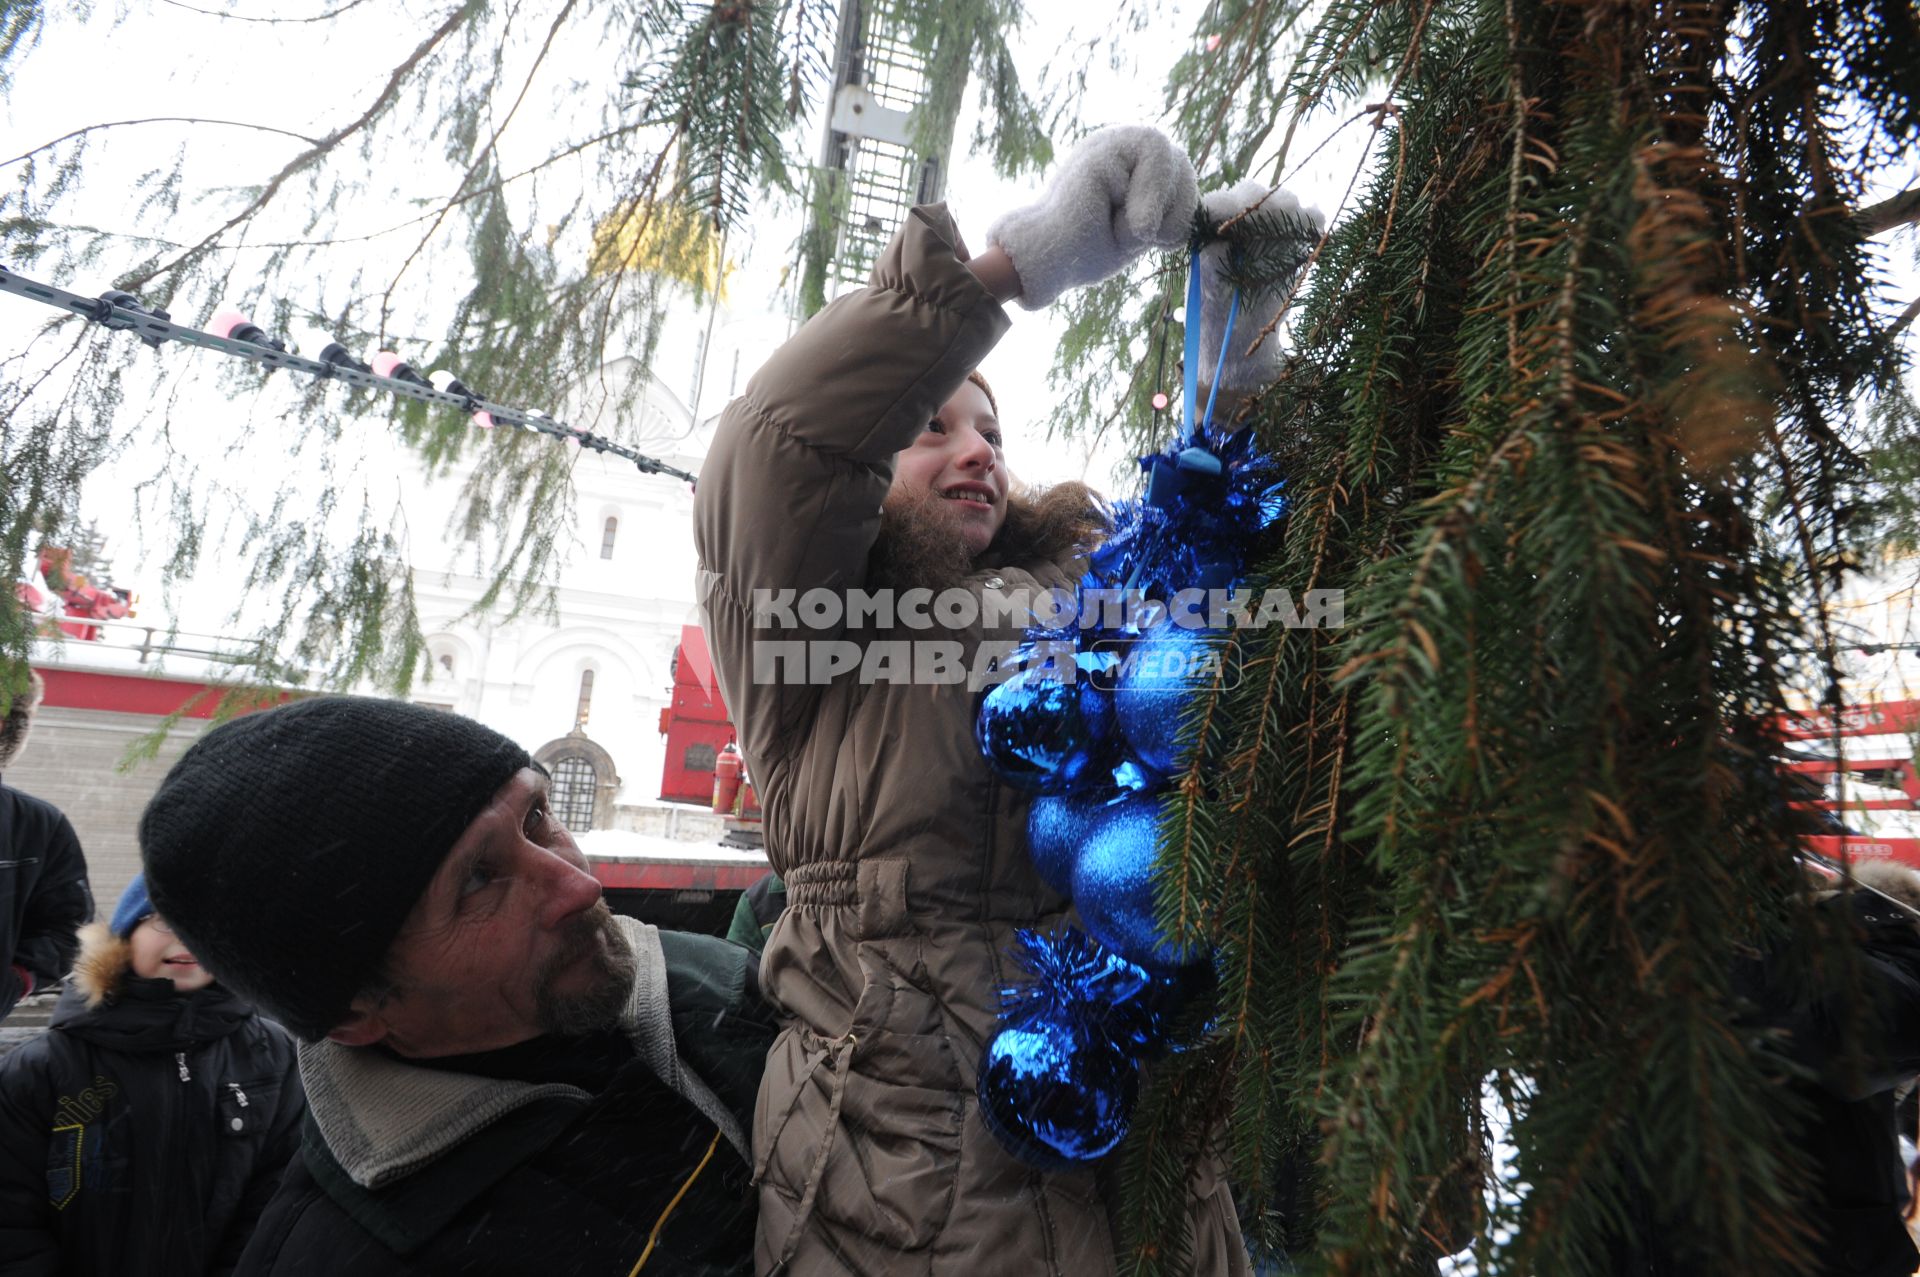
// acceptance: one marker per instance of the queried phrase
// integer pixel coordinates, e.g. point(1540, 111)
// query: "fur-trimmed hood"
point(104, 964)
point(1891, 878)
point(108, 1004)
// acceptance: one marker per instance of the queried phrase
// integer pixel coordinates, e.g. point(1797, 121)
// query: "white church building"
point(584, 686)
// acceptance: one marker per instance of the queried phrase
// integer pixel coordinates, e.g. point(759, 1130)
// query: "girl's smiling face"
point(957, 461)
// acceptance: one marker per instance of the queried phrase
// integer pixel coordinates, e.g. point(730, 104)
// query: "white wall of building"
point(617, 616)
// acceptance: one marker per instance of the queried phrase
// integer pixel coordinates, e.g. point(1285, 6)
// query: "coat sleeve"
point(721, 1026)
point(29, 1245)
point(789, 496)
point(279, 1146)
point(60, 904)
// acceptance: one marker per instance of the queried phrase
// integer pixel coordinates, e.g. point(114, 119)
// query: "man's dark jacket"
point(43, 893)
point(575, 1176)
point(759, 908)
point(144, 1135)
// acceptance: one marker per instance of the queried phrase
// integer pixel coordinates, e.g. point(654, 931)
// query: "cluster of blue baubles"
point(1092, 721)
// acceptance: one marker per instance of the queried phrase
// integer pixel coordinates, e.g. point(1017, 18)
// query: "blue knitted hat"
point(133, 909)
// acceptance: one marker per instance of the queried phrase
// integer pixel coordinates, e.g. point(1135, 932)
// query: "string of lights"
point(234, 334)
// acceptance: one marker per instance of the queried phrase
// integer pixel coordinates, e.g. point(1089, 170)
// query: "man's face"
point(957, 463)
point(510, 941)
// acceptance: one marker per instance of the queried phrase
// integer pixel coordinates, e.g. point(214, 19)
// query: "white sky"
point(167, 60)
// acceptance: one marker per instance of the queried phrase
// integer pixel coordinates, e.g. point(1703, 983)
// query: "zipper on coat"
point(180, 1058)
point(238, 1094)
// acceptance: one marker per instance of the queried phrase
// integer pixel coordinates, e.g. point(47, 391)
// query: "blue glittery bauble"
point(1156, 687)
point(1045, 728)
point(1056, 826)
point(1056, 1093)
point(1113, 884)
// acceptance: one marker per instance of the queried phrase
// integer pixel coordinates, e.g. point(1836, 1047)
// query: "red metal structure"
point(78, 597)
point(1883, 767)
point(137, 693)
point(695, 723)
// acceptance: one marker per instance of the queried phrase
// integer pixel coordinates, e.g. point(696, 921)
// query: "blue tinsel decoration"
point(1058, 1080)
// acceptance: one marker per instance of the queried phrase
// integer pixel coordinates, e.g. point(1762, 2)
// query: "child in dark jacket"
point(146, 1130)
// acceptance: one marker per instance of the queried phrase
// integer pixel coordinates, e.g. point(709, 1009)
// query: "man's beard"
point(613, 967)
point(920, 544)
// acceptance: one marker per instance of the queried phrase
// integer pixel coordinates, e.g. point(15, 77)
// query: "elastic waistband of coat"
point(829, 883)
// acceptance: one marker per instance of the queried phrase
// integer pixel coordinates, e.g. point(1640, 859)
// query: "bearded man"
point(503, 1076)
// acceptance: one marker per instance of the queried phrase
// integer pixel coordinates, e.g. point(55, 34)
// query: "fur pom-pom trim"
point(102, 965)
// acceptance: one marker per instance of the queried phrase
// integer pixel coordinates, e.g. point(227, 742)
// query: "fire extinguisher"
point(727, 769)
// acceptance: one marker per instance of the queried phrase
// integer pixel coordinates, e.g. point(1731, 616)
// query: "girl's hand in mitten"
point(1278, 210)
point(1126, 188)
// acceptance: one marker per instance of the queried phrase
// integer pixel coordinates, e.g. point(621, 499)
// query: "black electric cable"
point(122, 312)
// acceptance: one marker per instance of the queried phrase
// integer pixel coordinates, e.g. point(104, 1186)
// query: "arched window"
point(585, 706)
point(575, 786)
point(699, 758)
point(606, 537)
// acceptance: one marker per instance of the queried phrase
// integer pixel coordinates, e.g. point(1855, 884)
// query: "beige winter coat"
point(905, 859)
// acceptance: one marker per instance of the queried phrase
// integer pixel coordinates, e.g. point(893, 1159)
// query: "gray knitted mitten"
point(1126, 188)
point(1243, 372)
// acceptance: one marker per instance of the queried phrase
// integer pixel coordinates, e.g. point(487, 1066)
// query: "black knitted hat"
point(288, 847)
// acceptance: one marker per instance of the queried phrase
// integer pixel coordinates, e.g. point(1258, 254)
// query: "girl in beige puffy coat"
point(904, 857)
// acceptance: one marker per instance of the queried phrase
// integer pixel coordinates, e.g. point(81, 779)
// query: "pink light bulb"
point(1213, 42)
point(483, 419)
point(384, 362)
point(226, 320)
point(1159, 401)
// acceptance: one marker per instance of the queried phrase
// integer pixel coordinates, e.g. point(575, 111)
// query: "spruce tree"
point(1593, 397)
point(1586, 380)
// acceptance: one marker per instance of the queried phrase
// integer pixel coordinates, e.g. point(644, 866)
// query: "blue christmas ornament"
point(1056, 1087)
point(1156, 683)
point(1046, 728)
point(1056, 826)
point(1058, 1081)
point(1055, 1092)
point(1194, 527)
point(1113, 884)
